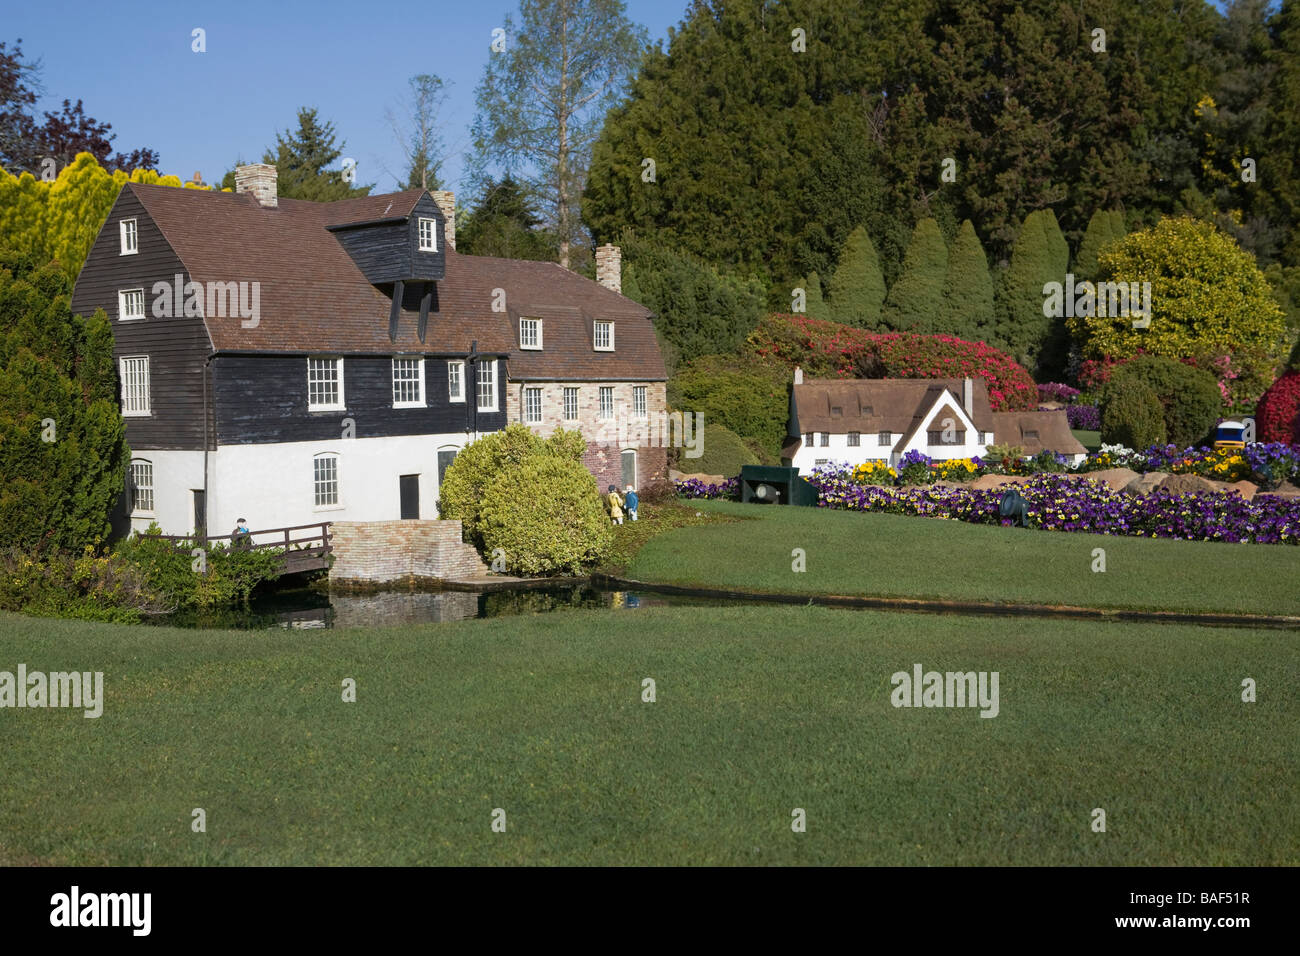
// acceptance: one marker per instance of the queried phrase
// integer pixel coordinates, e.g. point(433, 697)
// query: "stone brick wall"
point(377, 552)
point(606, 437)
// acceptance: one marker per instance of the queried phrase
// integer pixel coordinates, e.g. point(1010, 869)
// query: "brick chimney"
point(446, 200)
point(609, 267)
point(260, 180)
point(968, 396)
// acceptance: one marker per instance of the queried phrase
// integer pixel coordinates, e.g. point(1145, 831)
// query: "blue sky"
point(204, 111)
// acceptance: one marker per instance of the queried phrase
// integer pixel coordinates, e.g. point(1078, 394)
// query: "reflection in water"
point(305, 609)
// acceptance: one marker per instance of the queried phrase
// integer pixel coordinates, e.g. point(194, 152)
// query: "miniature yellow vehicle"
point(1230, 435)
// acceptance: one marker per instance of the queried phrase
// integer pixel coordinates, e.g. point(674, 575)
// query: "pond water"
point(303, 608)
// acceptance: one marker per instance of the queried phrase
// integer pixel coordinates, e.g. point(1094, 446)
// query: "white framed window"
point(826, 439)
point(324, 384)
point(134, 372)
point(486, 385)
point(456, 381)
point(325, 480)
point(130, 237)
point(885, 438)
point(130, 304)
point(606, 401)
point(141, 486)
point(570, 404)
point(855, 439)
point(639, 401)
point(408, 382)
point(428, 235)
point(604, 336)
point(532, 405)
point(530, 333)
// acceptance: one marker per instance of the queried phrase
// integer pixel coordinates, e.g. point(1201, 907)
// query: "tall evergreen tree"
point(1040, 255)
point(505, 223)
point(1103, 227)
point(300, 158)
point(916, 301)
point(857, 288)
point(968, 289)
point(814, 304)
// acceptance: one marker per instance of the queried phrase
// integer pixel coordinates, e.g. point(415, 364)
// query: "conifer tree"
point(857, 288)
point(1039, 255)
point(968, 291)
point(814, 304)
point(300, 159)
point(915, 303)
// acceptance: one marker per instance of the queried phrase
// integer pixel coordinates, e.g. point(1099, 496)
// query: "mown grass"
point(759, 710)
point(853, 553)
point(653, 519)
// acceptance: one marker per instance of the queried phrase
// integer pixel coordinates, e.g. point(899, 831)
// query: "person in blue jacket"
point(630, 501)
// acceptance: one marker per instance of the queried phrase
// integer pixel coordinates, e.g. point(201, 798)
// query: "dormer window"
point(428, 235)
point(604, 336)
point(130, 242)
point(530, 334)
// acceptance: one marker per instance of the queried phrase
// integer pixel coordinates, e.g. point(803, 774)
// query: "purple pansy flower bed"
point(1060, 503)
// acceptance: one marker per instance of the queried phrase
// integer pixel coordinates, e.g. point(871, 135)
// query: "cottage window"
point(324, 384)
point(810, 439)
point(855, 439)
point(826, 439)
point(486, 379)
point(570, 404)
point(530, 333)
point(325, 480)
point(408, 383)
point(130, 304)
point(937, 437)
point(134, 372)
point(1031, 436)
point(532, 405)
point(428, 235)
point(604, 336)
point(606, 401)
point(129, 236)
point(141, 486)
point(639, 401)
point(456, 381)
point(885, 439)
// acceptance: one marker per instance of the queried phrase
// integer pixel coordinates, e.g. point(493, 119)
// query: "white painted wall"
point(272, 484)
point(838, 449)
point(175, 474)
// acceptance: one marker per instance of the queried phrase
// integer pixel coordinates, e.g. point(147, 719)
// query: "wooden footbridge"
point(306, 547)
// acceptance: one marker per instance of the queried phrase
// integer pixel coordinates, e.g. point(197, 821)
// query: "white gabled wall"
point(919, 441)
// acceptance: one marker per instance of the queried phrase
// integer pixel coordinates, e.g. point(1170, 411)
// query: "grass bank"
point(885, 555)
point(759, 710)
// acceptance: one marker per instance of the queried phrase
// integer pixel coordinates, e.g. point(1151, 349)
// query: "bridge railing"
point(317, 543)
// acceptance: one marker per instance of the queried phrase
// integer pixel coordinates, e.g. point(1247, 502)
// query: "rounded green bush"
point(724, 453)
point(477, 467)
point(1131, 415)
point(1190, 401)
point(546, 516)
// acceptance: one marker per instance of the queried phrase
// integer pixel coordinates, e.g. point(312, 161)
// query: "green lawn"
point(853, 553)
point(1088, 439)
point(759, 710)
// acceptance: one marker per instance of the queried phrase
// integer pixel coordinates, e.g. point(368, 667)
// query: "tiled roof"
point(838, 405)
point(314, 298)
point(1036, 431)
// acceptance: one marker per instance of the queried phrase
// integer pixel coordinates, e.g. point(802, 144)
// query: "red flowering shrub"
point(830, 350)
point(1278, 415)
